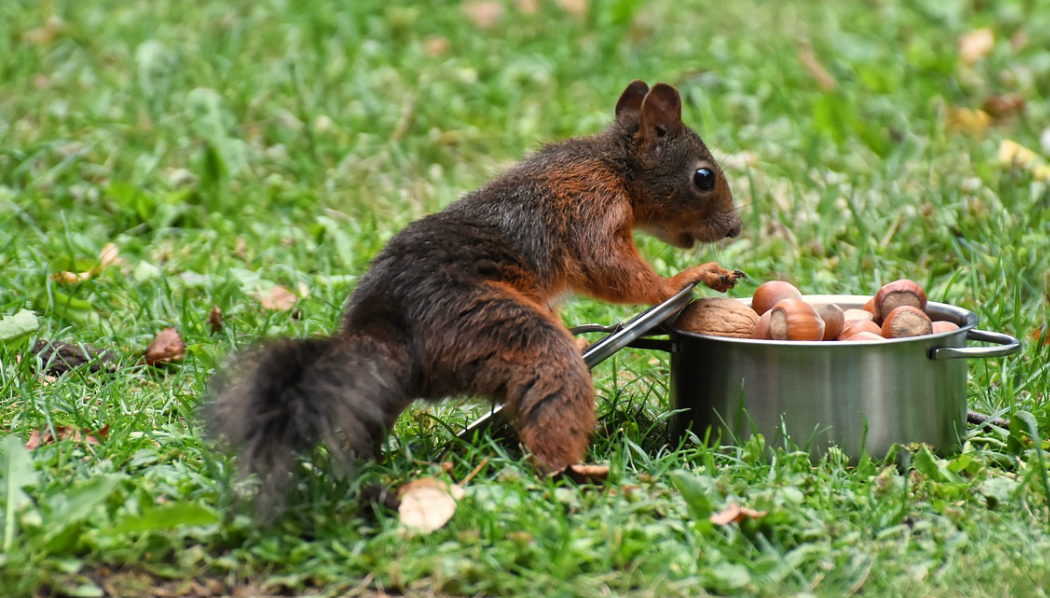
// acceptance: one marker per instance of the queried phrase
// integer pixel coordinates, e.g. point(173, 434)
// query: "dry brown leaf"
point(46, 34)
point(585, 474)
point(109, 255)
point(38, 437)
point(1005, 105)
point(277, 298)
point(1037, 336)
point(71, 277)
point(427, 504)
point(436, 45)
point(1015, 155)
point(483, 13)
point(240, 250)
point(968, 120)
point(166, 347)
point(576, 8)
point(809, 61)
point(976, 44)
point(215, 322)
point(528, 7)
point(734, 513)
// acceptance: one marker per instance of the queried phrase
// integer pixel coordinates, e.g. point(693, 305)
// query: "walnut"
point(718, 316)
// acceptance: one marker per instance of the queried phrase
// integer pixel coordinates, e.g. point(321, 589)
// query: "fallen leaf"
point(528, 7)
point(1012, 153)
point(1005, 105)
point(968, 120)
point(483, 13)
point(427, 504)
point(1015, 155)
point(166, 347)
point(585, 474)
point(109, 255)
point(277, 298)
point(436, 45)
point(38, 437)
point(71, 277)
point(1037, 336)
point(809, 61)
point(46, 34)
point(240, 250)
point(734, 513)
point(576, 8)
point(976, 44)
point(215, 322)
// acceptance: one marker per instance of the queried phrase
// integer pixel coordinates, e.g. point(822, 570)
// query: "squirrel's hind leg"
point(525, 357)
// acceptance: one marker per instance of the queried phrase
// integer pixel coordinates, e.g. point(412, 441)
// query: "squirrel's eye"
point(704, 179)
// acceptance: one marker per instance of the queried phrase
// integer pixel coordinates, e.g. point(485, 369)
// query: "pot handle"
point(629, 334)
point(1007, 345)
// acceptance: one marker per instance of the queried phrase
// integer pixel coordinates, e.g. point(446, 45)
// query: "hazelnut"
point(906, 321)
point(834, 319)
point(795, 320)
point(854, 326)
point(857, 314)
point(870, 306)
point(898, 293)
point(761, 330)
point(944, 326)
point(769, 294)
point(864, 335)
point(718, 316)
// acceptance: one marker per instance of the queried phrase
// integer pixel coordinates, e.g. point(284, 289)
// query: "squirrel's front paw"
point(720, 279)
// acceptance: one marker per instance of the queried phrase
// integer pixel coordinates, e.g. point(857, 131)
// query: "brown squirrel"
point(460, 301)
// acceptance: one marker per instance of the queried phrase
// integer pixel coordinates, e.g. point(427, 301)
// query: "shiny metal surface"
point(860, 396)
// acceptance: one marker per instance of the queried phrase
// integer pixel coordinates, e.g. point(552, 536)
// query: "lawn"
point(162, 163)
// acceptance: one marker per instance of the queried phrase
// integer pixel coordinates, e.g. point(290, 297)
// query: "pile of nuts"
point(778, 311)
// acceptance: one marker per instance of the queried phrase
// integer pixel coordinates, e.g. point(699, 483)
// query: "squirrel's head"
point(678, 191)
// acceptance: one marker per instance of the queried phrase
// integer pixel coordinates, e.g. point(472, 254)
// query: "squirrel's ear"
point(631, 98)
point(662, 110)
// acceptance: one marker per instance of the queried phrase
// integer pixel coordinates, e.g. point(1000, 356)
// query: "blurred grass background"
point(228, 147)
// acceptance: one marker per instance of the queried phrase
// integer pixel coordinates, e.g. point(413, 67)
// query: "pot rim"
point(966, 319)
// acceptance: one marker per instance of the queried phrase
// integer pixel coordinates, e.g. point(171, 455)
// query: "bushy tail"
point(287, 396)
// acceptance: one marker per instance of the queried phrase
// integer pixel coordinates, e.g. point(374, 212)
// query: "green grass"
point(225, 147)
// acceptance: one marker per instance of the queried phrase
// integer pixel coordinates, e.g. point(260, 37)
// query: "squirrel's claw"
point(723, 280)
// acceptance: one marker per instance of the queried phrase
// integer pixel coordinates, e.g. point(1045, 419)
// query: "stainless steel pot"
point(860, 396)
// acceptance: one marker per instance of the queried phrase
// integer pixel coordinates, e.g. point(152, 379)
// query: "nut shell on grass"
point(718, 316)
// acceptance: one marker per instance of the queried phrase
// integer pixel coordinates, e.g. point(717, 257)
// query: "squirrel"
point(460, 302)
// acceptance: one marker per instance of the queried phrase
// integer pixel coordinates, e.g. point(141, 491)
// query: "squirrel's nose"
point(735, 231)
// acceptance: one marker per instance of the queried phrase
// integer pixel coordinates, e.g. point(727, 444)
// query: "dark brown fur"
point(460, 301)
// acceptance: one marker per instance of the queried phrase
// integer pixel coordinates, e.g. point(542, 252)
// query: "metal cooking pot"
point(859, 396)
